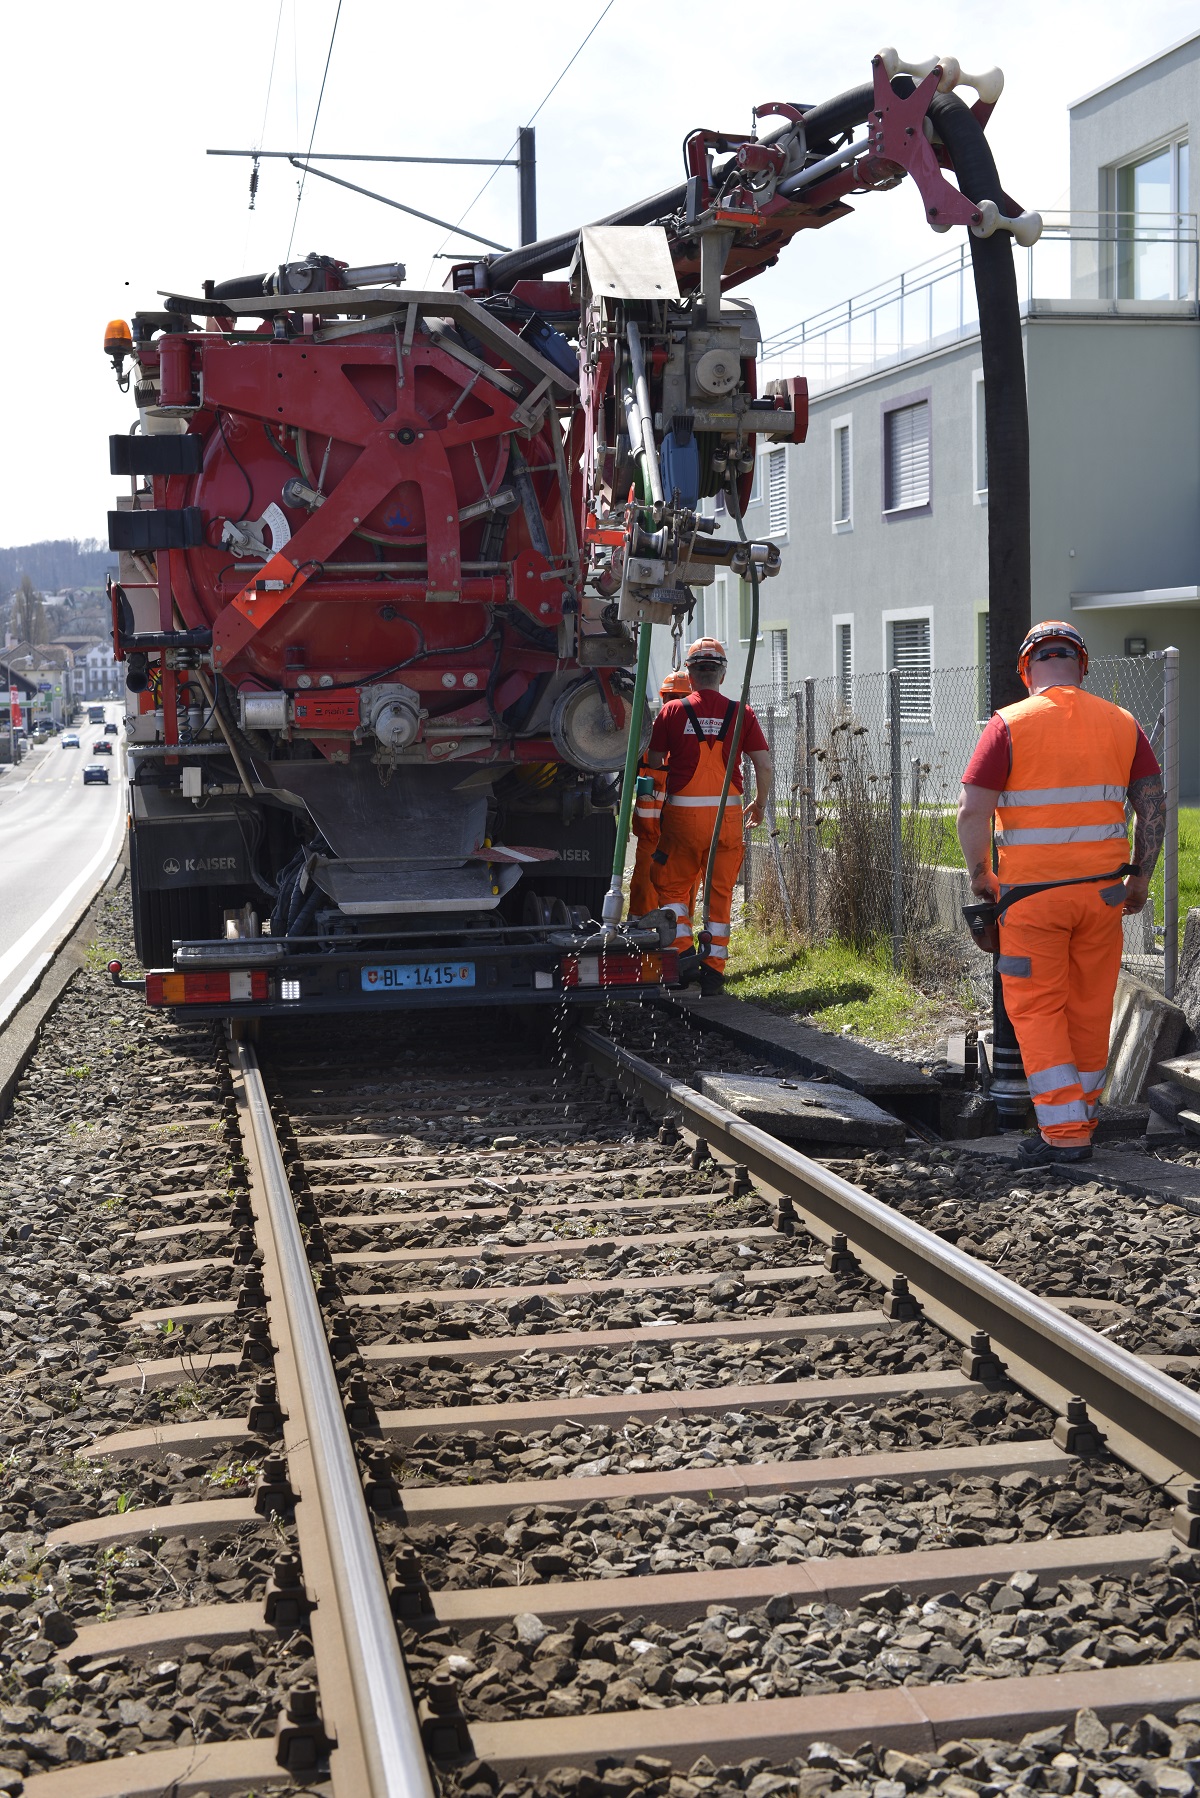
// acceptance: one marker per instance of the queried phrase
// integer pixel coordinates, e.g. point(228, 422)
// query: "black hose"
point(556, 252)
point(1007, 413)
point(833, 118)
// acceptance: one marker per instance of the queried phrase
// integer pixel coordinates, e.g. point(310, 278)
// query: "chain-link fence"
point(867, 775)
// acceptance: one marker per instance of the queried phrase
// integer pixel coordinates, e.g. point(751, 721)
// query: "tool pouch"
point(983, 921)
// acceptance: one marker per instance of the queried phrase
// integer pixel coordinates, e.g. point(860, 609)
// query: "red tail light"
point(206, 989)
point(620, 970)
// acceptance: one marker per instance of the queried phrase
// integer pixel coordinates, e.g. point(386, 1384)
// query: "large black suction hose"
point(1007, 412)
point(1008, 493)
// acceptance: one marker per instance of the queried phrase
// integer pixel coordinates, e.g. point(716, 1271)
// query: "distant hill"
point(51, 566)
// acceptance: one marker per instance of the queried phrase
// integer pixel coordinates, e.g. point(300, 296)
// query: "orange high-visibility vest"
point(1062, 814)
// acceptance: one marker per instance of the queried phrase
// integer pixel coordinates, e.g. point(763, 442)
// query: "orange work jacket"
point(1062, 814)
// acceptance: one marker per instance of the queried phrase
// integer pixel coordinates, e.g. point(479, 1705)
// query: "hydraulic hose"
point(614, 899)
point(735, 742)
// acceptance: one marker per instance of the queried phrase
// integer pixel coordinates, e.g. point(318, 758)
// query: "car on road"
point(95, 771)
point(70, 739)
point(110, 730)
point(102, 747)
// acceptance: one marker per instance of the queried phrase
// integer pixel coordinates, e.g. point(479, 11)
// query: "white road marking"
point(13, 958)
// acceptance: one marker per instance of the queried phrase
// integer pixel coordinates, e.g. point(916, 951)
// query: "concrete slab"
point(1184, 1070)
point(1146, 1030)
point(805, 1111)
point(898, 1085)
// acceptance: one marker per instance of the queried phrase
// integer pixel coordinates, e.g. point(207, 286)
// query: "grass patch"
point(833, 985)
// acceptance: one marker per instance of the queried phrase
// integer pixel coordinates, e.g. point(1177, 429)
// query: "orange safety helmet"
point(675, 685)
point(707, 651)
point(1052, 630)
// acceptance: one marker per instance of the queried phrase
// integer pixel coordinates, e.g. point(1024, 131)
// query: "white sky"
point(109, 195)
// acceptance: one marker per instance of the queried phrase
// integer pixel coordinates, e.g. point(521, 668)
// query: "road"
point(57, 839)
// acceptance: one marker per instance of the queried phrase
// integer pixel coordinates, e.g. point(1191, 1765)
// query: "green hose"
point(736, 740)
point(614, 902)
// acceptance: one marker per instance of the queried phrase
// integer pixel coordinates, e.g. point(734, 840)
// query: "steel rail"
point(392, 1748)
point(1149, 1419)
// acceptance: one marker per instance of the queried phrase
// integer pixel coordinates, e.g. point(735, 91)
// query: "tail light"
point(205, 989)
point(620, 969)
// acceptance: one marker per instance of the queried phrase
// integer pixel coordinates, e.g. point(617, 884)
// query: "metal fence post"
point(914, 783)
point(894, 801)
point(1171, 839)
point(810, 801)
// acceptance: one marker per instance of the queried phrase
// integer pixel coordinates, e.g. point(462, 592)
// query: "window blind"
point(777, 493)
point(779, 665)
point(910, 655)
point(841, 475)
point(906, 456)
point(845, 666)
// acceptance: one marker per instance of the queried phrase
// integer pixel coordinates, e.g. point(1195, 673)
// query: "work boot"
point(712, 984)
point(1035, 1151)
point(690, 967)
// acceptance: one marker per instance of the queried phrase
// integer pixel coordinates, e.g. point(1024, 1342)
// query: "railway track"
point(580, 1425)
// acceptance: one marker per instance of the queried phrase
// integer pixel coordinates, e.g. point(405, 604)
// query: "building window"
point(906, 457)
point(909, 645)
point(843, 656)
point(1154, 260)
point(779, 666)
point(745, 608)
point(777, 493)
point(712, 613)
point(979, 419)
point(842, 496)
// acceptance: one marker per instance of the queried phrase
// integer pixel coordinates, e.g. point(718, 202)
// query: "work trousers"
point(647, 823)
point(1060, 954)
point(679, 864)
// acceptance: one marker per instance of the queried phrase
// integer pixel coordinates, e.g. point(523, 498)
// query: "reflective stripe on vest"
point(1062, 810)
point(1064, 833)
point(1063, 796)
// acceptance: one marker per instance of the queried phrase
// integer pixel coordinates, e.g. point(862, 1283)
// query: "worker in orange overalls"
point(647, 813)
point(1055, 771)
point(692, 740)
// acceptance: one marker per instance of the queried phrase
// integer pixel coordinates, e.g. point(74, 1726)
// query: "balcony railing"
point(1087, 259)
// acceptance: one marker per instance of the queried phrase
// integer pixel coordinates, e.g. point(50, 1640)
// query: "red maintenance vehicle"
point(390, 560)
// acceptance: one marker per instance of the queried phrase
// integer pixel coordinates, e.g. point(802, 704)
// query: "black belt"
point(983, 920)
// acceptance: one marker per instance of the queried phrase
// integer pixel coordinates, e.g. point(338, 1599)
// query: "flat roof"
point(1137, 68)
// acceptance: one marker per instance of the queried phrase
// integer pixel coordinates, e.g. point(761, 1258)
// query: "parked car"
point(110, 730)
point(102, 747)
point(95, 771)
point(70, 739)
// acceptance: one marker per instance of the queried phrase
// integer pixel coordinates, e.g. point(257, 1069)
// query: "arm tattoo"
point(1150, 810)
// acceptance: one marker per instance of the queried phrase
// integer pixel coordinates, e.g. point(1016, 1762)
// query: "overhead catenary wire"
point(556, 83)
point(313, 133)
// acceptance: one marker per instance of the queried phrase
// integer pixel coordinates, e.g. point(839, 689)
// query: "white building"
point(882, 512)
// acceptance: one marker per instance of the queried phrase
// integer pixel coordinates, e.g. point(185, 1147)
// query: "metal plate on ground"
point(805, 1111)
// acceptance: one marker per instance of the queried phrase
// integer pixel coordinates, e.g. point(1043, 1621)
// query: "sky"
point(109, 195)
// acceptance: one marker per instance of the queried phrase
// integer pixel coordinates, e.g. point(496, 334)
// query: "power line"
point(271, 76)
point(316, 116)
point(516, 140)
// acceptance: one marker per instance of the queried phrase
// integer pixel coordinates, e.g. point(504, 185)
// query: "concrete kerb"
point(33, 1004)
